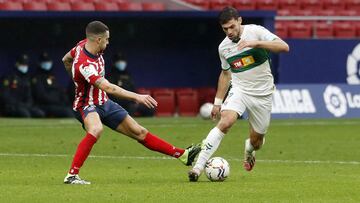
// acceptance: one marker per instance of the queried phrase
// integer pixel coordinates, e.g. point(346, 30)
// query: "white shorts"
point(257, 107)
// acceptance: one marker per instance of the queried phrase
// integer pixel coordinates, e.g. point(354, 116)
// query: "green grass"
point(302, 161)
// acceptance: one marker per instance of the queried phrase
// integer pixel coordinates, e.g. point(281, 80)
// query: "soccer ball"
point(217, 169)
point(205, 110)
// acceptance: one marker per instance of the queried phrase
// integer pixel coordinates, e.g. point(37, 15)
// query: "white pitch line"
point(168, 158)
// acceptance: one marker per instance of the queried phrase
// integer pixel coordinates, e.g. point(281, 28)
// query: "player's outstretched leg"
point(209, 146)
point(132, 129)
point(186, 156)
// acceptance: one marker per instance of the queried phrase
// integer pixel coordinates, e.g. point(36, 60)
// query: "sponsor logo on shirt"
point(245, 61)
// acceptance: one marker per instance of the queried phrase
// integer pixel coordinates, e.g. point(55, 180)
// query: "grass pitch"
point(302, 161)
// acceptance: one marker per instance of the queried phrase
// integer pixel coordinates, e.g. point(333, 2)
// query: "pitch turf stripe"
point(167, 158)
point(73, 123)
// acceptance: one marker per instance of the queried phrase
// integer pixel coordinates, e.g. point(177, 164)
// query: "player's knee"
point(140, 133)
point(225, 124)
point(96, 130)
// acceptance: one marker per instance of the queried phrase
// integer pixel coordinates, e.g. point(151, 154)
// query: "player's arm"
point(119, 92)
point(68, 61)
point(277, 45)
point(222, 88)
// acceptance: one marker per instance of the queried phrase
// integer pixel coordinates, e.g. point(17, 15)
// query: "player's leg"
point(212, 142)
point(132, 129)
point(93, 126)
point(259, 119)
point(118, 119)
point(230, 110)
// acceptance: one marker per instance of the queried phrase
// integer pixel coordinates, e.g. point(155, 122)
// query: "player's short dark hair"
point(96, 28)
point(227, 14)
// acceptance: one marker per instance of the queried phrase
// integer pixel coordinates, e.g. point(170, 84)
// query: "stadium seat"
point(284, 12)
point(143, 91)
point(58, 6)
point(333, 4)
point(325, 13)
point(153, 6)
point(300, 30)
point(313, 5)
point(323, 30)
point(219, 4)
point(11, 6)
point(106, 6)
point(281, 29)
point(347, 12)
point(344, 29)
point(166, 102)
point(82, 6)
point(35, 6)
point(357, 27)
point(116, 1)
point(244, 4)
point(302, 12)
point(352, 5)
point(130, 6)
point(266, 5)
point(289, 4)
point(206, 94)
point(43, 1)
point(90, 1)
point(187, 102)
point(183, 89)
point(67, 1)
point(205, 4)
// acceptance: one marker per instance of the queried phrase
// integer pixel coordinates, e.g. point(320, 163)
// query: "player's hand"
point(215, 112)
point(250, 44)
point(147, 100)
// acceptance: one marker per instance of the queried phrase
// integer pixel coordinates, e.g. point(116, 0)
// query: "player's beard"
point(236, 39)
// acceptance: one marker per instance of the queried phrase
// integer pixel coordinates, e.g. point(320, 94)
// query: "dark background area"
point(162, 51)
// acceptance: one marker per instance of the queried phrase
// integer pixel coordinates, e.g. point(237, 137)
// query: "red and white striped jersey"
point(86, 69)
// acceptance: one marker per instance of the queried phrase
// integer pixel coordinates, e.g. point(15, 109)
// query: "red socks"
point(151, 141)
point(82, 153)
point(154, 143)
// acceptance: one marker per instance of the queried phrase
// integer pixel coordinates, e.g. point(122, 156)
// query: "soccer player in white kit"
point(245, 63)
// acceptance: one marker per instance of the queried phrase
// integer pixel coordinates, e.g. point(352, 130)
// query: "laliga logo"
point(335, 101)
point(352, 67)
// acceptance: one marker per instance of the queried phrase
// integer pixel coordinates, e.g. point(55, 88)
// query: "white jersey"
point(250, 67)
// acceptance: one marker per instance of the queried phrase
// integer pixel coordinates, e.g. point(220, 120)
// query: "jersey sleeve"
point(77, 47)
point(224, 64)
point(264, 34)
point(73, 52)
point(89, 73)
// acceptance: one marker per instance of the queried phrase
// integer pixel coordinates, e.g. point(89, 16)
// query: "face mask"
point(120, 65)
point(23, 69)
point(46, 65)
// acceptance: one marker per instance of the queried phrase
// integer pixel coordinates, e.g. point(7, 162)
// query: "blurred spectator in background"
point(48, 95)
point(16, 92)
point(121, 77)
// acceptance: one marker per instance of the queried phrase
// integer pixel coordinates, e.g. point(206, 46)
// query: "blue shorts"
point(111, 114)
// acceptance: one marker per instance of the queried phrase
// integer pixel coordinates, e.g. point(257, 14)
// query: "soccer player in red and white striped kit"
point(93, 108)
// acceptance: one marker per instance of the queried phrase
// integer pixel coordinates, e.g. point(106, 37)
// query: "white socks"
point(248, 146)
point(210, 145)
